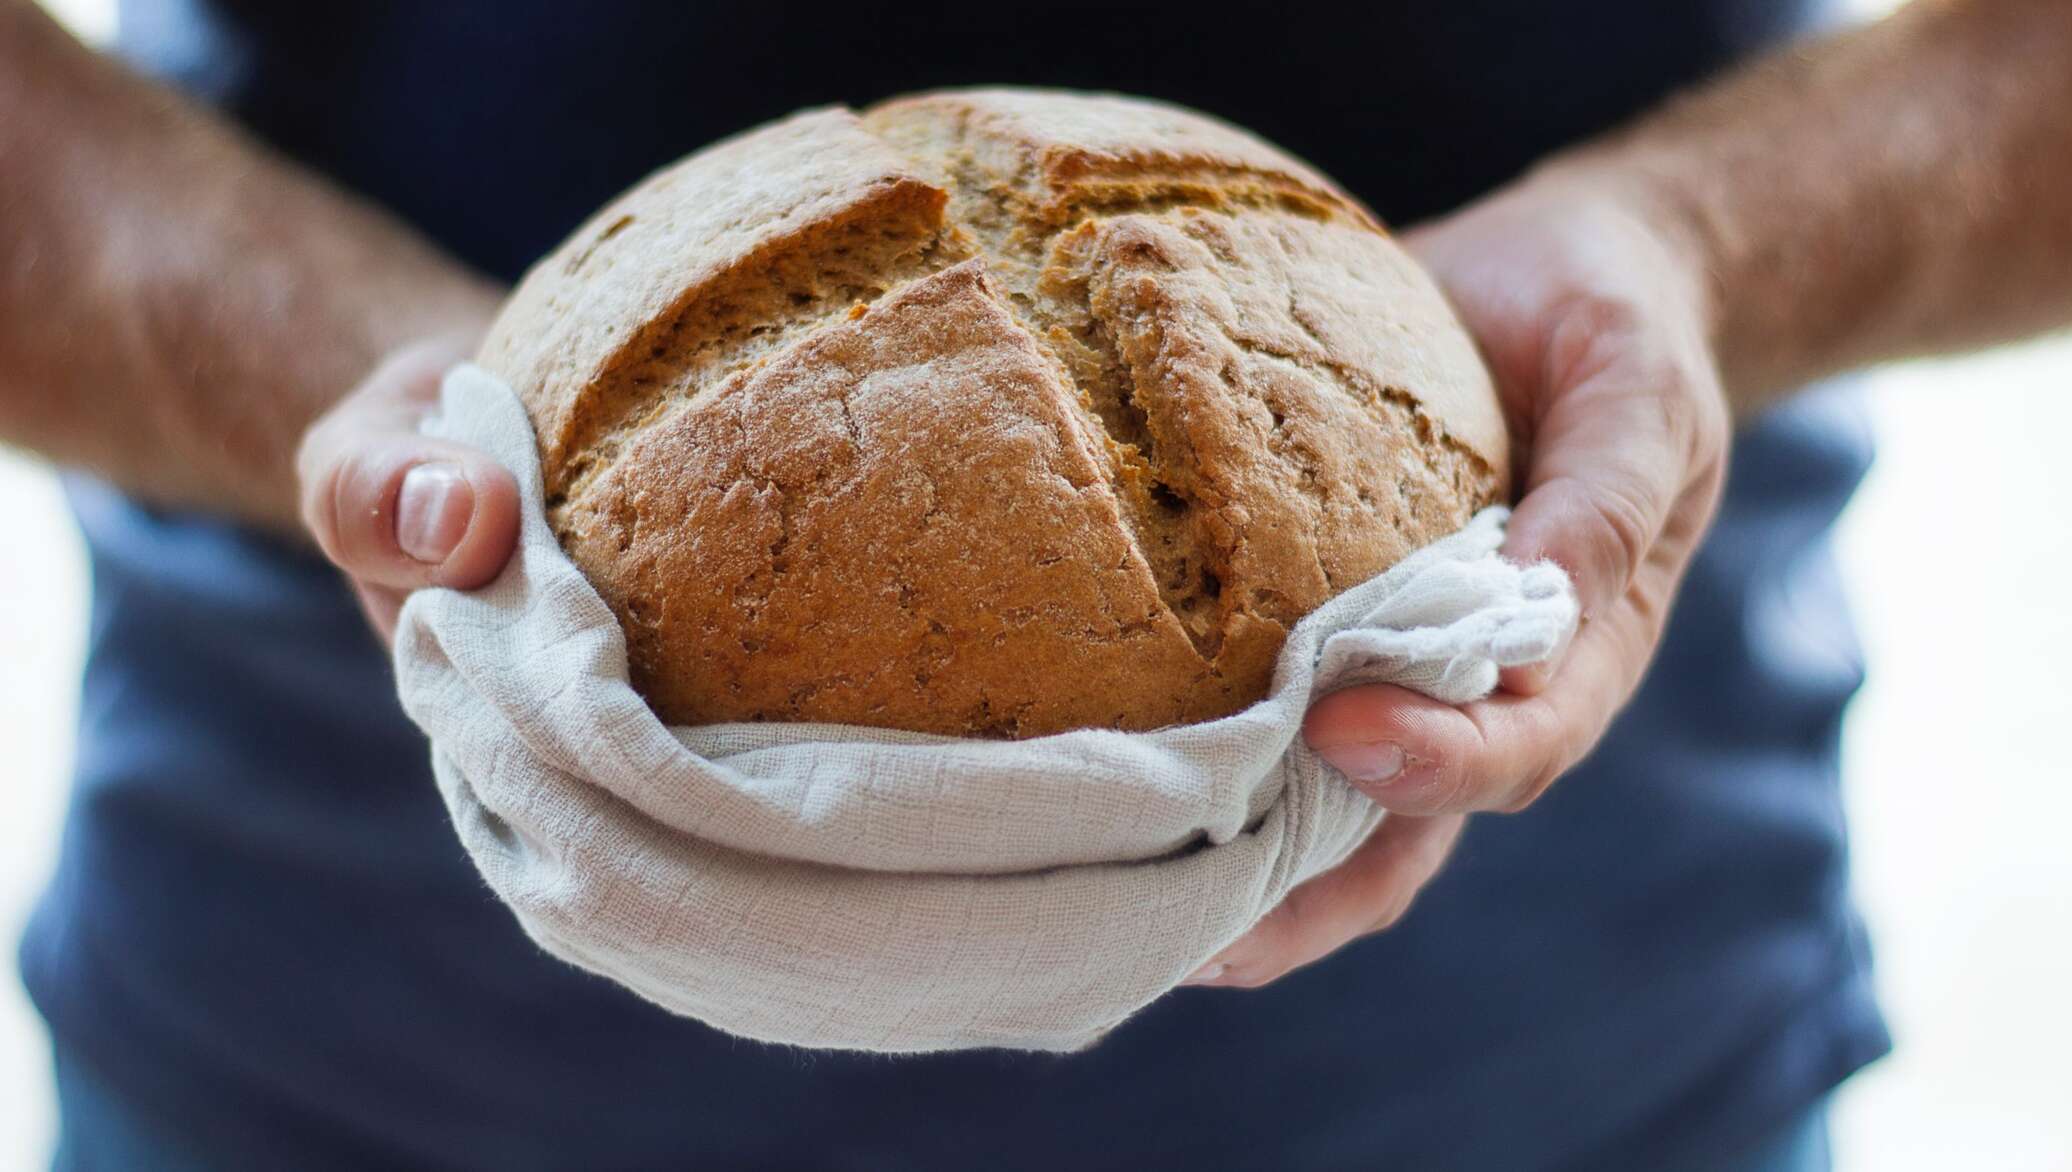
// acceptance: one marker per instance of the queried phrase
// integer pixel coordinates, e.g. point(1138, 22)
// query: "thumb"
point(396, 509)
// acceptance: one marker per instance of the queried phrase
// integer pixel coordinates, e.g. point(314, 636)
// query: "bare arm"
point(176, 303)
point(1902, 189)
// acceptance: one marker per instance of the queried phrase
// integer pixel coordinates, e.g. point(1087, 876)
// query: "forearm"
point(176, 304)
point(1902, 189)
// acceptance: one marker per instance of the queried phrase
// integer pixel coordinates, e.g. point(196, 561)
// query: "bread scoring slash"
point(988, 413)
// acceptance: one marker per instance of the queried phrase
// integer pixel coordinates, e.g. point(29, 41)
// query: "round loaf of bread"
point(988, 413)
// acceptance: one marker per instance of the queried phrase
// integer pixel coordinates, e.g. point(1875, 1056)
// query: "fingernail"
point(1206, 973)
point(1370, 763)
point(432, 511)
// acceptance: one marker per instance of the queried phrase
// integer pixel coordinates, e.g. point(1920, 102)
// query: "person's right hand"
point(397, 510)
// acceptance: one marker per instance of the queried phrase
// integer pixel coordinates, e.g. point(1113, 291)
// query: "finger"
point(1614, 455)
point(1530, 679)
point(393, 508)
point(1371, 890)
point(1416, 755)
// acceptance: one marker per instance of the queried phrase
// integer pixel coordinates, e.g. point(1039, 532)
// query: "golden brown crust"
point(661, 272)
point(991, 412)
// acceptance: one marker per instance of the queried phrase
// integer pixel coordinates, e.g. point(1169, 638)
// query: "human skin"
point(1895, 190)
point(1902, 189)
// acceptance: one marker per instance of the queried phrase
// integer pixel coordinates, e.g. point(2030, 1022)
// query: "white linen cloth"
point(854, 888)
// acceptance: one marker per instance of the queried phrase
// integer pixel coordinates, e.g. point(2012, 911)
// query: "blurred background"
point(1957, 554)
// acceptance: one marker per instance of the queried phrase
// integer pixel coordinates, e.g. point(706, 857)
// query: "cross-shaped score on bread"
point(990, 413)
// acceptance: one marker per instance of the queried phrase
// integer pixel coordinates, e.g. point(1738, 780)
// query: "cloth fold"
point(839, 887)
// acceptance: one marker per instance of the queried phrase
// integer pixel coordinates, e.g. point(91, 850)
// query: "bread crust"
point(991, 413)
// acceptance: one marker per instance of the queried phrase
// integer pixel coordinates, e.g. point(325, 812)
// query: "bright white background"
point(1959, 554)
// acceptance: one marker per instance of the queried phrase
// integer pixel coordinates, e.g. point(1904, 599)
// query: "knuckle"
point(1459, 779)
point(360, 502)
point(316, 474)
point(1694, 415)
point(340, 466)
point(1588, 331)
point(1600, 530)
point(1252, 978)
point(1284, 929)
point(1453, 787)
point(1618, 529)
point(319, 507)
point(1582, 729)
point(1649, 601)
point(1532, 787)
point(1525, 789)
point(1393, 907)
point(1547, 739)
point(1679, 408)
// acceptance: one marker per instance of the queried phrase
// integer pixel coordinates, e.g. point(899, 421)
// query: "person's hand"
point(397, 510)
point(1591, 309)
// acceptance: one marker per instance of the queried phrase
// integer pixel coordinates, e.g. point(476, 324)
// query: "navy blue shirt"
point(264, 939)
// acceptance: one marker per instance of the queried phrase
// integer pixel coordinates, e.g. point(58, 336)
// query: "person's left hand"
point(1590, 305)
